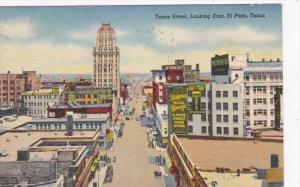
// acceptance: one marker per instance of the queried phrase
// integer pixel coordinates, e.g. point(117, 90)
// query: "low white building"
point(35, 103)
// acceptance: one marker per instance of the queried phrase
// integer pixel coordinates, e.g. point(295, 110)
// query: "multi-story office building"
point(159, 86)
point(107, 60)
point(12, 85)
point(259, 80)
point(87, 95)
point(206, 109)
point(35, 103)
point(227, 110)
point(188, 74)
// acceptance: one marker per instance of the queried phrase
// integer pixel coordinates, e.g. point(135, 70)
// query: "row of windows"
point(235, 118)
point(36, 104)
point(225, 93)
point(226, 131)
point(235, 106)
point(261, 89)
point(30, 112)
point(77, 126)
point(259, 101)
point(260, 112)
point(261, 122)
point(40, 97)
point(204, 129)
point(264, 77)
point(203, 117)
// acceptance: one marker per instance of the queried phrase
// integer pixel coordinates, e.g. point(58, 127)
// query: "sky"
point(60, 39)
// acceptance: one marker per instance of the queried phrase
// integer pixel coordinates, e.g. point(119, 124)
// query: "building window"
point(219, 130)
point(77, 126)
point(272, 112)
point(271, 101)
point(219, 118)
point(218, 106)
point(190, 117)
point(272, 123)
point(235, 118)
point(160, 77)
point(247, 123)
point(247, 77)
point(13, 180)
point(235, 131)
point(235, 93)
point(209, 106)
point(235, 106)
point(218, 93)
point(225, 93)
point(203, 130)
point(225, 106)
point(190, 106)
point(225, 118)
point(247, 112)
point(226, 130)
point(247, 101)
point(190, 129)
point(203, 117)
point(203, 106)
point(247, 90)
point(3, 180)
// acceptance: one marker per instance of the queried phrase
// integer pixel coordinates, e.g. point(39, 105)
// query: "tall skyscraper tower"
point(107, 59)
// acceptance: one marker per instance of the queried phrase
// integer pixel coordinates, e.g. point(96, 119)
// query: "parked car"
point(127, 118)
point(109, 174)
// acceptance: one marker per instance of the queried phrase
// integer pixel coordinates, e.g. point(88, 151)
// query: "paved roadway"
point(134, 165)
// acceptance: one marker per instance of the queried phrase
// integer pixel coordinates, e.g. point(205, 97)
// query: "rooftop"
point(13, 140)
point(76, 117)
point(265, 64)
point(106, 27)
point(11, 122)
point(77, 105)
point(210, 153)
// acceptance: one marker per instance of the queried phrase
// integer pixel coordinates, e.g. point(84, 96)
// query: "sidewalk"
point(99, 177)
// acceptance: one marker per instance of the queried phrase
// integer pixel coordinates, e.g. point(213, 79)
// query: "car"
point(127, 118)
point(109, 174)
point(120, 133)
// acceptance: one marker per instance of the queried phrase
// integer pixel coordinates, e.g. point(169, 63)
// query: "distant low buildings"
point(60, 110)
point(86, 95)
point(12, 85)
point(35, 103)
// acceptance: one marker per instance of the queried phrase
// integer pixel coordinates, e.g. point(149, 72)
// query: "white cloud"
point(90, 33)
point(17, 28)
point(173, 36)
point(142, 59)
point(45, 57)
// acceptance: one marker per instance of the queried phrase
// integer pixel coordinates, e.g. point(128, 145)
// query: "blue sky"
point(60, 39)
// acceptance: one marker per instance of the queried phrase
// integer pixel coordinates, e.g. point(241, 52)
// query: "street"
point(135, 162)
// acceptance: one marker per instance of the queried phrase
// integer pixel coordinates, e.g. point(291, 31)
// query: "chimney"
point(69, 123)
point(263, 59)
point(271, 60)
point(23, 154)
point(278, 60)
